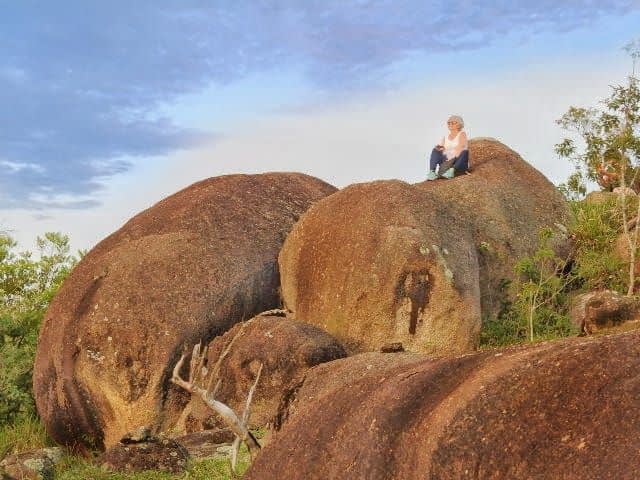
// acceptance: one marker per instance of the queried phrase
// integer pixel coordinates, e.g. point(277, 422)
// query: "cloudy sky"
point(107, 107)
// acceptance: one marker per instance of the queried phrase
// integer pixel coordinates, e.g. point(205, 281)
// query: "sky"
point(108, 107)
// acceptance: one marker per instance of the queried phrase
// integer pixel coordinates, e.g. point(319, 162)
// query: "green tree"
point(541, 289)
point(609, 151)
point(27, 285)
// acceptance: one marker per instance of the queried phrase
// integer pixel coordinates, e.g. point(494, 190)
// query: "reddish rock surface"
point(184, 270)
point(386, 261)
point(285, 348)
point(601, 309)
point(566, 409)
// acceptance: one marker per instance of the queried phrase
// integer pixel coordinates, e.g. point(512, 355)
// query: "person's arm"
point(462, 140)
point(440, 146)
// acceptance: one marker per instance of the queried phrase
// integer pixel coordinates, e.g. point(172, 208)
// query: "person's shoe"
point(449, 173)
point(431, 175)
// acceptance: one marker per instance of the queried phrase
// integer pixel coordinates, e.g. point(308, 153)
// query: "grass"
point(74, 468)
point(28, 434)
point(512, 330)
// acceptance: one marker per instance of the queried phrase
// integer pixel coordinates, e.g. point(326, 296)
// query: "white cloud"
point(389, 136)
point(367, 138)
point(15, 167)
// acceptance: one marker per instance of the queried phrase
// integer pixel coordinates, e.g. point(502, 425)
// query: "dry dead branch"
point(198, 373)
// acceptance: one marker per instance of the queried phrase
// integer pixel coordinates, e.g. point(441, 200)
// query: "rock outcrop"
point(36, 464)
point(565, 409)
point(285, 348)
point(418, 264)
point(185, 270)
point(601, 309)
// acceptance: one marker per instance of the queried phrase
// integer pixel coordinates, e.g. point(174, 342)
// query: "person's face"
point(453, 125)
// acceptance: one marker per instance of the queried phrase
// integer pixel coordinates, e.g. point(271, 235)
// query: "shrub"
point(27, 285)
point(546, 282)
point(595, 229)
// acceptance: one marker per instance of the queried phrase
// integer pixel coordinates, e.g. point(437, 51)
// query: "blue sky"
point(109, 100)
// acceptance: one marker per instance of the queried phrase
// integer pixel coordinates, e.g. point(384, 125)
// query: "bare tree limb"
point(245, 418)
point(235, 449)
point(198, 371)
point(252, 390)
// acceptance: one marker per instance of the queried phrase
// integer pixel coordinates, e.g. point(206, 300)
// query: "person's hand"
point(439, 147)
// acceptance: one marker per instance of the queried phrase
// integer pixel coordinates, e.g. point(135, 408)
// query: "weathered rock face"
point(597, 310)
point(285, 348)
point(565, 409)
point(419, 264)
point(185, 270)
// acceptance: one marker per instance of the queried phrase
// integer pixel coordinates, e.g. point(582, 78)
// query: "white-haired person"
point(451, 155)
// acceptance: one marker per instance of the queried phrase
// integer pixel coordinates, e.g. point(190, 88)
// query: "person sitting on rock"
point(452, 153)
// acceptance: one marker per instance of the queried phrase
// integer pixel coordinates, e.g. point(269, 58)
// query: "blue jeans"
point(460, 163)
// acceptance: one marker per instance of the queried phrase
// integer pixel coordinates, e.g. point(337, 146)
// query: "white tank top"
point(451, 145)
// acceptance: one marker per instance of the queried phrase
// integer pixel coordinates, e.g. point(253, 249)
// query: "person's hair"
point(457, 119)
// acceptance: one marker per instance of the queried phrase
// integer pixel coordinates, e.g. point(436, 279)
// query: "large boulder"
point(419, 264)
point(285, 349)
point(185, 270)
point(565, 409)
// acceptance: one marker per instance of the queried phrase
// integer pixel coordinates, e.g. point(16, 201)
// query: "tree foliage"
point(608, 150)
point(541, 291)
point(609, 153)
point(27, 284)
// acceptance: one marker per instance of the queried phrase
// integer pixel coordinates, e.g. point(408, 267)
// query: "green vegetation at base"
point(27, 285)
point(28, 433)
point(22, 435)
point(546, 283)
point(74, 468)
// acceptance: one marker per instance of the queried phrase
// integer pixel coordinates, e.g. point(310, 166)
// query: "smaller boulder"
point(136, 453)
point(625, 191)
point(597, 310)
point(393, 347)
point(285, 348)
point(598, 198)
point(206, 444)
point(33, 465)
point(139, 435)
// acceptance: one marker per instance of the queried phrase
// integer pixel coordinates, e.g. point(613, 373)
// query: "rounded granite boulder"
point(389, 262)
point(183, 271)
point(565, 409)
